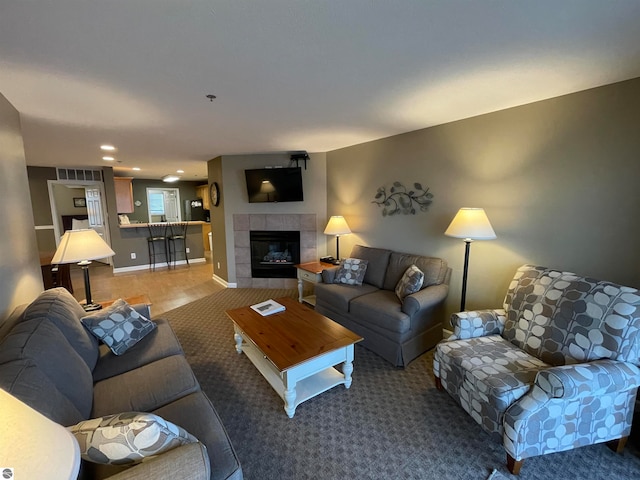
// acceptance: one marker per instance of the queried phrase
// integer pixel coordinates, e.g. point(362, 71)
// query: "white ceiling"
point(289, 74)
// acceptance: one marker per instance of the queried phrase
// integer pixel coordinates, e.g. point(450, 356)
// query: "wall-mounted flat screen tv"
point(274, 185)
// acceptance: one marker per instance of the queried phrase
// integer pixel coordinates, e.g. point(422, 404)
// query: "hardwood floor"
point(167, 288)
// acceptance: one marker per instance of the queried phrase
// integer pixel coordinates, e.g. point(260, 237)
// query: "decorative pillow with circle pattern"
point(411, 282)
point(119, 326)
point(127, 438)
point(351, 271)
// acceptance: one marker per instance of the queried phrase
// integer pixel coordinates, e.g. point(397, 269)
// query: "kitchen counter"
point(145, 225)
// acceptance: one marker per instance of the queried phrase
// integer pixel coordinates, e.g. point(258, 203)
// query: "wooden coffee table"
point(295, 350)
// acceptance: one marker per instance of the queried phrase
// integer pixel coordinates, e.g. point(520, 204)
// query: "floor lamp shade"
point(337, 226)
point(82, 246)
point(469, 224)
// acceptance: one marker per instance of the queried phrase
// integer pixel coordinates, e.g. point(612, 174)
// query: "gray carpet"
point(391, 424)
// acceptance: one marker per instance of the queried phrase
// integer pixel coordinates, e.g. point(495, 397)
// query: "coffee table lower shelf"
point(303, 381)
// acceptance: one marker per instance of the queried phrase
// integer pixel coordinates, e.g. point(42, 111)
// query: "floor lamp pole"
point(89, 306)
point(337, 247)
point(467, 242)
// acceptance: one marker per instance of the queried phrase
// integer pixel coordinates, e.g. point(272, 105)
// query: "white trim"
point(223, 282)
point(44, 227)
point(146, 266)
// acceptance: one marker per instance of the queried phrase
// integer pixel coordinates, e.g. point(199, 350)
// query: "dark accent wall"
point(557, 178)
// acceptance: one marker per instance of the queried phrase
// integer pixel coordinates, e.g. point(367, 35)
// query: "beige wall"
point(236, 201)
point(20, 277)
point(558, 179)
point(218, 226)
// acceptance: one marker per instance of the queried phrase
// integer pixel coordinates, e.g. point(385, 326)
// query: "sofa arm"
point(329, 274)
point(143, 309)
point(188, 462)
point(424, 299)
point(594, 378)
point(477, 323)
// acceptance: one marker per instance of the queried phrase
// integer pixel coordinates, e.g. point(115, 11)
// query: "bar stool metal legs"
point(177, 238)
point(158, 244)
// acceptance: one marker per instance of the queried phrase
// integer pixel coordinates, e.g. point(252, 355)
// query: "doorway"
point(164, 205)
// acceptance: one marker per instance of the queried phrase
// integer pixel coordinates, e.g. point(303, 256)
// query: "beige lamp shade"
point(34, 446)
point(81, 245)
point(471, 223)
point(337, 226)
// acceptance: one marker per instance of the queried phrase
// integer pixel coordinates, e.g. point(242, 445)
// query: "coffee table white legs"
point(290, 401)
point(347, 370)
point(300, 289)
point(238, 338)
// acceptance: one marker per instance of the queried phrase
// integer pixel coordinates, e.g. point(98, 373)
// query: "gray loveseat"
point(53, 364)
point(397, 331)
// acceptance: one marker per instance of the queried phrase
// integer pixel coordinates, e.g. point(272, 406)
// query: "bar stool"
point(157, 234)
point(178, 233)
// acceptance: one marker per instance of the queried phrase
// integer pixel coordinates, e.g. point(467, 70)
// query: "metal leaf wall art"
point(401, 200)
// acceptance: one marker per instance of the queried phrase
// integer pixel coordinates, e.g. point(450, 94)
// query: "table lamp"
point(82, 246)
point(469, 224)
point(32, 446)
point(337, 226)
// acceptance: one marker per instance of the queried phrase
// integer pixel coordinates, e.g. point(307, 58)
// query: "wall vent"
point(82, 174)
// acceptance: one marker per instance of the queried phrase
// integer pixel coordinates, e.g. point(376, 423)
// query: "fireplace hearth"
point(274, 253)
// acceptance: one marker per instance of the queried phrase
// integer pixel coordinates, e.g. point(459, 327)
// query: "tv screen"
point(274, 185)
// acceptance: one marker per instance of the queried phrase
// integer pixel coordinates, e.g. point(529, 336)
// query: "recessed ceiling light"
point(179, 171)
point(107, 148)
point(108, 159)
point(137, 169)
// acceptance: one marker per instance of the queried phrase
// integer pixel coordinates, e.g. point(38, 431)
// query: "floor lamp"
point(337, 226)
point(469, 224)
point(82, 246)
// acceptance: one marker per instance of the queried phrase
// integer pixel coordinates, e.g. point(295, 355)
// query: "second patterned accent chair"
point(557, 368)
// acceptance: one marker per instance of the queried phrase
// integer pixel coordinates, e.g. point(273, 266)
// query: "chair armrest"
point(329, 274)
point(188, 462)
point(594, 379)
point(477, 323)
point(426, 298)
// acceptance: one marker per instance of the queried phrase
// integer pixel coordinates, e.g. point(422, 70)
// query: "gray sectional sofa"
point(53, 364)
point(398, 331)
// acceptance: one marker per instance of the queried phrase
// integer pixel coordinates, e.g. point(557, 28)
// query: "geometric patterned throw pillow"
point(351, 271)
point(127, 438)
point(119, 326)
point(410, 282)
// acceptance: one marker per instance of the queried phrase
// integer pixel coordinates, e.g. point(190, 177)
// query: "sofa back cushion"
point(565, 319)
point(41, 343)
point(59, 306)
point(378, 259)
point(434, 269)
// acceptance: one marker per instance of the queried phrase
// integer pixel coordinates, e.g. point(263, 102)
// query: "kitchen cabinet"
point(124, 194)
point(202, 191)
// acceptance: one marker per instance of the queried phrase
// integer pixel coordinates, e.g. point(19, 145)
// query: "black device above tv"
point(274, 185)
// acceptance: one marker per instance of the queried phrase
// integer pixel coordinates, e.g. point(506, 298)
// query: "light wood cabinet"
point(124, 194)
point(202, 191)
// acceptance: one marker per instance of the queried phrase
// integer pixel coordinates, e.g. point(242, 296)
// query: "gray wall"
point(236, 200)
point(38, 189)
point(558, 180)
point(20, 276)
point(218, 225)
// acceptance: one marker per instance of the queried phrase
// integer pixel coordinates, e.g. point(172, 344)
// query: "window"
point(164, 204)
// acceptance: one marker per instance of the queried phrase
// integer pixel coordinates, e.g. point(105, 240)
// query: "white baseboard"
point(135, 268)
point(223, 282)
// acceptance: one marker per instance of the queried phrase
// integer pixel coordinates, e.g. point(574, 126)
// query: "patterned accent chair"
point(556, 369)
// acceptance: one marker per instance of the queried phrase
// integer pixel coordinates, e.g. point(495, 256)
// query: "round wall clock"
point(214, 194)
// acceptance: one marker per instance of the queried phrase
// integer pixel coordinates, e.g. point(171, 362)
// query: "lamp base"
point(91, 307)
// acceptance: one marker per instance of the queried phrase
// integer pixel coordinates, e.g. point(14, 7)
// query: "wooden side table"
point(312, 273)
point(137, 299)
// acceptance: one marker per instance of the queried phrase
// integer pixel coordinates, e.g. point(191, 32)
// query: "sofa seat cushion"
point(196, 415)
point(489, 367)
point(59, 306)
point(160, 343)
point(434, 269)
point(25, 381)
point(340, 296)
point(382, 309)
point(377, 261)
point(41, 342)
point(145, 388)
